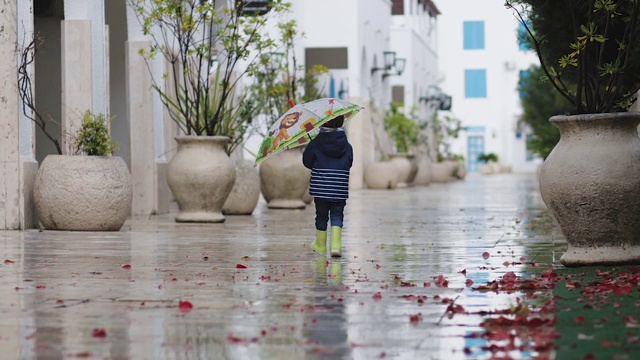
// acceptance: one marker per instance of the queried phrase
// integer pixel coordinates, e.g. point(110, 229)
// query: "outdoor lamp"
point(389, 58)
point(399, 65)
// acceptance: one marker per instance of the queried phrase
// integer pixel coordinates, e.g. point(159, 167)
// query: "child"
point(329, 156)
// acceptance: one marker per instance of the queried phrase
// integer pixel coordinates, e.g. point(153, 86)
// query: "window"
point(473, 35)
point(475, 83)
point(524, 75)
point(397, 7)
point(523, 37)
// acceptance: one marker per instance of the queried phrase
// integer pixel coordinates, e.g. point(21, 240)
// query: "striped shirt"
point(329, 184)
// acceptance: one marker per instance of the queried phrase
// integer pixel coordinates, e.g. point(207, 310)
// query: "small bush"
point(94, 137)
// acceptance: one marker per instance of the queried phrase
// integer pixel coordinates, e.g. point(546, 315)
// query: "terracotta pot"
point(201, 176)
point(591, 184)
point(84, 193)
point(284, 180)
point(245, 193)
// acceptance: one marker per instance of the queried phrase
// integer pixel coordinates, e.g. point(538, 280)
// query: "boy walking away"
point(329, 156)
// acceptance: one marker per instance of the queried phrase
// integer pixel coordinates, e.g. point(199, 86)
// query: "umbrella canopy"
point(300, 124)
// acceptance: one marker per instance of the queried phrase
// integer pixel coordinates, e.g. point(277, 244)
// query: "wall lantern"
point(399, 64)
point(437, 97)
point(389, 58)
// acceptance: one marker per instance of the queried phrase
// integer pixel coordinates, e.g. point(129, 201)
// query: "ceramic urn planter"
point(284, 180)
point(201, 176)
point(406, 167)
point(381, 175)
point(591, 184)
point(245, 193)
point(83, 193)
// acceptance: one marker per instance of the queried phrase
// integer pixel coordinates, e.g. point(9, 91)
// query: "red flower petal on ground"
point(378, 266)
point(126, 267)
point(426, 284)
point(579, 319)
point(441, 281)
point(464, 272)
point(240, 266)
point(7, 261)
point(99, 333)
point(41, 287)
point(185, 306)
point(469, 282)
point(377, 296)
point(415, 318)
point(485, 255)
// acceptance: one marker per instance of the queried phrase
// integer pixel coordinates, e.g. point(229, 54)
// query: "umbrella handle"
point(291, 103)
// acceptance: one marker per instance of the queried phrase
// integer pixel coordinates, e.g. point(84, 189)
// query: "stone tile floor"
point(258, 292)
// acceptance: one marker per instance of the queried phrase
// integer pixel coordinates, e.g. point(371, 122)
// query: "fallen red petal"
point(485, 255)
point(240, 266)
point(99, 333)
point(185, 306)
point(126, 266)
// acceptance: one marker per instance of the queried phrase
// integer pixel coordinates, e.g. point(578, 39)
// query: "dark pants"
point(326, 210)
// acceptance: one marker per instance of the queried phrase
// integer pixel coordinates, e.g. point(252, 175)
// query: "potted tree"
point(204, 43)
point(405, 133)
point(449, 166)
point(280, 82)
point(86, 193)
point(590, 53)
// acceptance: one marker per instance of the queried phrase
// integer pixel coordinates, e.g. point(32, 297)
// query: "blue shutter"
point(475, 83)
point(473, 35)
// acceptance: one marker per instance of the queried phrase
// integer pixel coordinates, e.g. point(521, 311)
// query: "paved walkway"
point(252, 289)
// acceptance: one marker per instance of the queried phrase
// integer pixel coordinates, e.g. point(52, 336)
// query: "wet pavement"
point(251, 288)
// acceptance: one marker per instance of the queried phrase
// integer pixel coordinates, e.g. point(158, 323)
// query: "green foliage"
point(94, 137)
point(279, 78)
point(445, 130)
point(488, 157)
point(404, 132)
point(198, 38)
point(589, 50)
point(539, 103)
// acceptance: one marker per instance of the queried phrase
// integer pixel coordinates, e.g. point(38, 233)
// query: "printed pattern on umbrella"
point(300, 124)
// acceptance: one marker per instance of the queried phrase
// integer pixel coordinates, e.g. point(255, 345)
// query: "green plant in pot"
point(590, 53)
point(207, 45)
point(280, 81)
point(405, 132)
point(485, 158)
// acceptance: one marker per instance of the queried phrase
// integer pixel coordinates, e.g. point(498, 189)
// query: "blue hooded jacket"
point(329, 156)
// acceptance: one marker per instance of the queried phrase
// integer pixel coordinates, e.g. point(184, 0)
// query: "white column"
point(77, 80)
point(150, 131)
point(17, 165)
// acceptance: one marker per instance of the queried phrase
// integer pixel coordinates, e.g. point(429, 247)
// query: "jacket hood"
point(332, 143)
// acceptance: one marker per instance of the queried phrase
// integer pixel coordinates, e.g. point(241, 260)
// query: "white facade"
point(491, 119)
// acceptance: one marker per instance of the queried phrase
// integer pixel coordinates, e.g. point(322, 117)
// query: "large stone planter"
point(284, 180)
point(423, 176)
point(83, 193)
point(591, 184)
point(443, 172)
point(201, 176)
point(245, 193)
point(381, 175)
point(406, 167)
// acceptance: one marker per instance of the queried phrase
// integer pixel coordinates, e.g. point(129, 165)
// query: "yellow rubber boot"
point(336, 241)
point(320, 245)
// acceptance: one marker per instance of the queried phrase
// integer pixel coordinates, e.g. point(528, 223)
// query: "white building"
point(482, 60)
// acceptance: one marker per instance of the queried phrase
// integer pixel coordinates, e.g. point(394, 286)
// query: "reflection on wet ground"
point(252, 289)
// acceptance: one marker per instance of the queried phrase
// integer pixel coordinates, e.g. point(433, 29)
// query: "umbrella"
point(300, 124)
